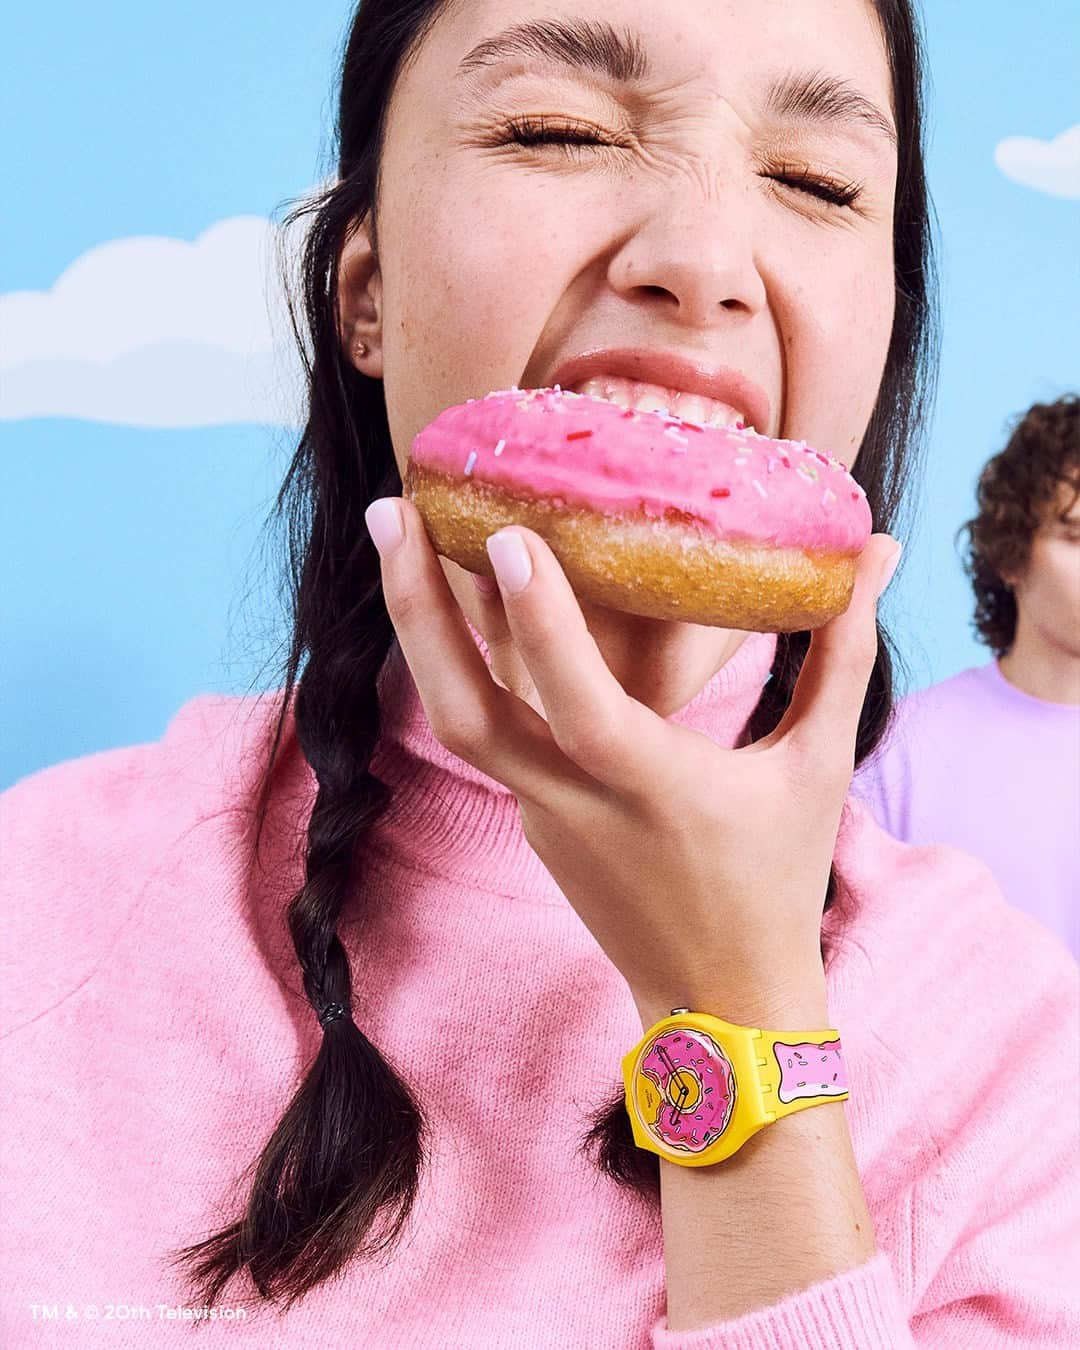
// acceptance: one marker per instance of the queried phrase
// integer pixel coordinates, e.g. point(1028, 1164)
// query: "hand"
point(700, 871)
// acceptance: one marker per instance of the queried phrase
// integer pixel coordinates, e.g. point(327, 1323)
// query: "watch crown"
point(676, 1011)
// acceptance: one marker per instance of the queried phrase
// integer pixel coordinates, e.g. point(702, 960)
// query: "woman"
point(534, 827)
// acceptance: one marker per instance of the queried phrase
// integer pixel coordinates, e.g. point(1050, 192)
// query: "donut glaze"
point(582, 451)
point(696, 1088)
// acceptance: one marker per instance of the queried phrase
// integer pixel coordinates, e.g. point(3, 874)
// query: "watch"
point(698, 1087)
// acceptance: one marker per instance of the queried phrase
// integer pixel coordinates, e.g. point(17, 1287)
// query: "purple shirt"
point(976, 763)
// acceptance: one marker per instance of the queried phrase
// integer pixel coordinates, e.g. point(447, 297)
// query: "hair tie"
point(331, 1013)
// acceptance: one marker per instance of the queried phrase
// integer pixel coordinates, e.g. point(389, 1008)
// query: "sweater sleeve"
point(859, 1309)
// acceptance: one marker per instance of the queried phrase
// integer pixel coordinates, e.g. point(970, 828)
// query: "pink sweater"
point(155, 1028)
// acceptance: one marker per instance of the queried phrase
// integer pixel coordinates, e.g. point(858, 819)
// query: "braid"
point(339, 1175)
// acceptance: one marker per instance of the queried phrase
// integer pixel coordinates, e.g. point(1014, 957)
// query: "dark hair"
point(339, 1175)
point(1016, 490)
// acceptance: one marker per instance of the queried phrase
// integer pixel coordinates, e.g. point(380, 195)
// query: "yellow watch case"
point(697, 1087)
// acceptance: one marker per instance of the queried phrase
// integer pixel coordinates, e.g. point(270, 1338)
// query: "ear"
point(360, 302)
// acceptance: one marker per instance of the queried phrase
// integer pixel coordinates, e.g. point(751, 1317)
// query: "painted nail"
point(510, 559)
point(383, 518)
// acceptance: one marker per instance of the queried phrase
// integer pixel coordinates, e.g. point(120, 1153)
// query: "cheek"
point(836, 326)
point(1064, 571)
point(462, 303)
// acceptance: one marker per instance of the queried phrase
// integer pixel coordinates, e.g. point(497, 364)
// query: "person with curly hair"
point(989, 760)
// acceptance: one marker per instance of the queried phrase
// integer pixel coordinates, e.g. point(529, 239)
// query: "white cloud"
point(1049, 166)
point(152, 331)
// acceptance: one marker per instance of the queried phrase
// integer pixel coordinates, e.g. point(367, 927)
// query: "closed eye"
point(827, 189)
point(532, 132)
point(535, 131)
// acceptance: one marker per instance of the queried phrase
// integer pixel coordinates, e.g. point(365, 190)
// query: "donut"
point(646, 512)
point(695, 1089)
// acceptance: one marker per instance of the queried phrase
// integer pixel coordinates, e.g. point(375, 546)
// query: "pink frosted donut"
point(646, 512)
point(696, 1086)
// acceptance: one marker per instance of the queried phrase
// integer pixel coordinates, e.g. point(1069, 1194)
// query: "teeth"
point(641, 397)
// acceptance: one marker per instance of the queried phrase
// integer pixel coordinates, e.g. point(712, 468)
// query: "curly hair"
point(1016, 489)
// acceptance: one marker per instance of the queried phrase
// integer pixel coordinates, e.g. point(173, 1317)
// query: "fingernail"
point(889, 567)
point(383, 518)
point(510, 559)
point(484, 584)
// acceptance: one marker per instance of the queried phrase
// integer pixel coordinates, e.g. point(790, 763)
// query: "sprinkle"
point(499, 448)
point(808, 471)
point(670, 431)
point(828, 496)
point(692, 426)
point(719, 492)
point(577, 435)
point(742, 460)
point(785, 461)
point(558, 390)
point(854, 496)
point(741, 424)
point(470, 462)
point(759, 487)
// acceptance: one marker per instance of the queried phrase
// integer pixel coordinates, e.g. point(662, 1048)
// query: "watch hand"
point(673, 1074)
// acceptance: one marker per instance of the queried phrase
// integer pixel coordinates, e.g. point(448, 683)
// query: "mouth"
point(649, 378)
point(643, 397)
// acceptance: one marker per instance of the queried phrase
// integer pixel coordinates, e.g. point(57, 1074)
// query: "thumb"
point(887, 566)
point(829, 692)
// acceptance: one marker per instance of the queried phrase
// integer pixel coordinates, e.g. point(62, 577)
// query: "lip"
point(670, 370)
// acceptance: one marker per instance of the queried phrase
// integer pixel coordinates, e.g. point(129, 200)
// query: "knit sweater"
point(155, 1027)
point(968, 757)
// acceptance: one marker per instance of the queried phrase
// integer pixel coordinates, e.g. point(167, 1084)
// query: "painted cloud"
point(151, 331)
point(1049, 166)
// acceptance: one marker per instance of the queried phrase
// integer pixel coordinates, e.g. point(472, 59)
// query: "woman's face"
point(688, 231)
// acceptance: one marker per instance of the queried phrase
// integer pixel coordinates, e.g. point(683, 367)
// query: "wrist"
point(798, 1002)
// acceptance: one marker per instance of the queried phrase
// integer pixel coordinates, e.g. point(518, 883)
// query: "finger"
point(469, 713)
point(823, 717)
point(594, 721)
point(507, 667)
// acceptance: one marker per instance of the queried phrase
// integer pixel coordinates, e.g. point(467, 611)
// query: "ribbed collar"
point(449, 819)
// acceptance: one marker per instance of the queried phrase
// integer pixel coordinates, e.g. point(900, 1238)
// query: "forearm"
point(784, 1212)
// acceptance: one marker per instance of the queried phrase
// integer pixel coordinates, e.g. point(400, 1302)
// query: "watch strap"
point(798, 1069)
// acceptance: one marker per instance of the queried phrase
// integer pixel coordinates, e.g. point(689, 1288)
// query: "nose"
point(700, 252)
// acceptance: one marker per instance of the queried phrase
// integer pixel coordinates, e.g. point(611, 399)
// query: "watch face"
point(684, 1089)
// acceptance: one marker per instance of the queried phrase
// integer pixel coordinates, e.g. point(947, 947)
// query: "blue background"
point(133, 577)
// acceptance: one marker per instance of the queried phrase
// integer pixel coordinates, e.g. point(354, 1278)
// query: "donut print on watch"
point(685, 1089)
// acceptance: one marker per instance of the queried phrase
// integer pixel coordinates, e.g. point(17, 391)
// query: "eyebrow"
point(622, 56)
